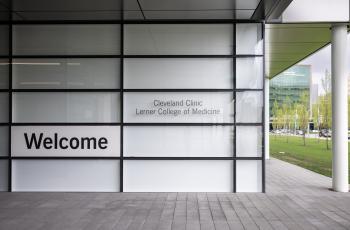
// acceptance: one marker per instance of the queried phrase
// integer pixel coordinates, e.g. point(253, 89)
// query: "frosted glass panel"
point(178, 39)
point(249, 139)
point(249, 178)
point(178, 73)
point(178, 107)
point(249, 73)
point(66, 39)
point(4, 109)
point(4, 73)
point(65, 141)
point(249, 38)
point(68, 73)
point(178, 176)
point(66, 175)
point(170, 141)
point(249, 107)
point(4, 141)
point(3, 175)
point(66, 107)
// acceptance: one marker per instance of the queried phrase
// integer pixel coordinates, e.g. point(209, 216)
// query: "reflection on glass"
point(249, 107)
point(249, 38)
point(249, 73)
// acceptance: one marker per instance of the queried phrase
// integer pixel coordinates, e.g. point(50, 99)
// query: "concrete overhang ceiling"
point(287, 44)
point(132, 9)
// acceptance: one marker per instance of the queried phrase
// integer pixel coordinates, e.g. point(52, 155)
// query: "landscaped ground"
point(314, 156)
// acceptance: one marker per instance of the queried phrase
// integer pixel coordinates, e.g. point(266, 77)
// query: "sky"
point(321, 61)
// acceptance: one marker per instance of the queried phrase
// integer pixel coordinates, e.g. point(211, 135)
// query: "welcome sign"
point(61, 141)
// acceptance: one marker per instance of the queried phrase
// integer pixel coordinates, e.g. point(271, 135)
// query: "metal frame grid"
point(122, 124)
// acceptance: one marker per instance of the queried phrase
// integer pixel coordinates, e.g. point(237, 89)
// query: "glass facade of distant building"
point(291, 83)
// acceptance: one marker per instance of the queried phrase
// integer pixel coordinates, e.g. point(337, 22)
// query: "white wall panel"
point(178, 39)
point(176, 141)
point(66, 175)
point(69, 73)
point(249, 107)
point(249, 178)
point(66, 107)
point(249, 73)
point(177, 73)
point(249, 141)
point(178, 176)
point(69, 141)
point(66, 39)
point(140, 107)
point(249, 38)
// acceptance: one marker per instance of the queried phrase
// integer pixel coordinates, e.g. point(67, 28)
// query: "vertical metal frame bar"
point(121, 77)
point(10, 100)
point(234, 112)
point(263, 166)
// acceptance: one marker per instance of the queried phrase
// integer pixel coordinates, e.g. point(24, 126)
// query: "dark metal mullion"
point(63, 158)
point(67, 56)
point(10, 103)
point(63, 124)
point(148, 21)
point(263, 166)
point(64, 90)
point(234, 115)
point(125, 158)
point(128, 90)
point(121, 77)
point(146, 56)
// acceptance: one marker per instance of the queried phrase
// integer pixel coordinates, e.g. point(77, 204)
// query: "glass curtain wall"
point(182, 104)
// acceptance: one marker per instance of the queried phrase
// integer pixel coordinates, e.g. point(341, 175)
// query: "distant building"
point(291, 83)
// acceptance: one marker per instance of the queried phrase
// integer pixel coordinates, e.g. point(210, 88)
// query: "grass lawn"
point(314, 156)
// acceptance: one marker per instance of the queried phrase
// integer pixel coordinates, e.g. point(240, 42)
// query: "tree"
point(275, 109)
point(287, 118)
point(316, 117)
point(303, 114)
point(326, 105)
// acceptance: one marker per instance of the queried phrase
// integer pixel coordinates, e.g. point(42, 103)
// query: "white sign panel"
point(62, 141)
point(179, 107)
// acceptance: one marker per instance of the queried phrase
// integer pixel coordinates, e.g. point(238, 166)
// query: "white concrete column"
point(267, 118)
point(339, 108)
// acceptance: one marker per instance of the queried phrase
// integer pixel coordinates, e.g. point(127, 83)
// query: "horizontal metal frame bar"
point(128, 90)
point(176, 90)
point(124, 21)
point(64, 124)
point(63, 90)
point(127, 124)
point(178, 124)
point(249, 124)
point(145, 56)
point(58, 56)
point(126, 158)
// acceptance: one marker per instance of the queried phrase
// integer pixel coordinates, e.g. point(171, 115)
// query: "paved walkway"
point(296, 199)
